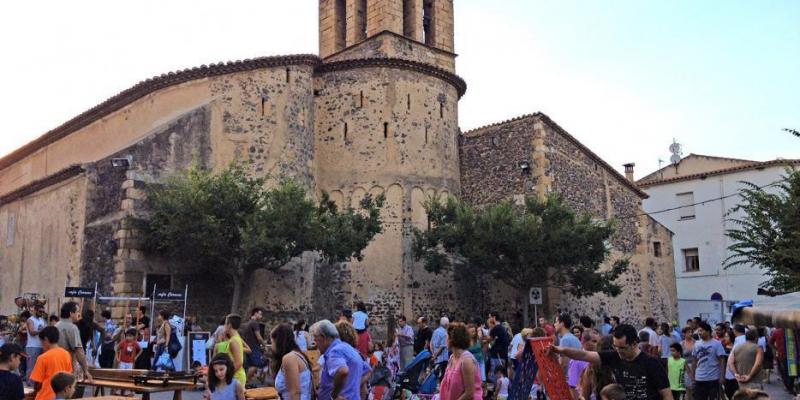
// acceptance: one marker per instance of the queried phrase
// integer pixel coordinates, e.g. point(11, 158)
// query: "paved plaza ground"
point(775, 390)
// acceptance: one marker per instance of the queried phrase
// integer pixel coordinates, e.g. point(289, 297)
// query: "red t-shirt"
point(777, 340)
point(128, 350)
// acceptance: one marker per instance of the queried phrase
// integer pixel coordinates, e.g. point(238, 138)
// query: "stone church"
point(375, 112)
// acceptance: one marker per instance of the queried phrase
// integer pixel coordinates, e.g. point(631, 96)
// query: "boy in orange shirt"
point(52, 361)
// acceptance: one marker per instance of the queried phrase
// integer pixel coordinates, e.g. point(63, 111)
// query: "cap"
point(12, 348)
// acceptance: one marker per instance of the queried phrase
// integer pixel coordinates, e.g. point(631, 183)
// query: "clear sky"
point(624, 77)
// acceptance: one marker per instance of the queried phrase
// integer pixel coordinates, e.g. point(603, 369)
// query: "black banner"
point(168, 294)
point(84, 292)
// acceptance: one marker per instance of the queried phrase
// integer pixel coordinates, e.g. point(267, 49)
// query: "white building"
point(691, 198)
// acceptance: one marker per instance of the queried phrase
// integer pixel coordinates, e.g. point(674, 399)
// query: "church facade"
point(375, 112)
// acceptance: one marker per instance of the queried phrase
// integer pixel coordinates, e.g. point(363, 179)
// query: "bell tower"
point(386, 122)
point(344, 24)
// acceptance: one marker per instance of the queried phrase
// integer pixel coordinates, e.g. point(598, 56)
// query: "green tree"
point(229, 224)
point(766, 231)
point(542, 242)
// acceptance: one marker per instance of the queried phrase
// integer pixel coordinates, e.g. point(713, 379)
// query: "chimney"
point(629, 171)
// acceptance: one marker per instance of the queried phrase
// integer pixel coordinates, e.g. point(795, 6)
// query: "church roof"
point(148, 86)
point(163, 81)
point(544, 118)
point(40, 184)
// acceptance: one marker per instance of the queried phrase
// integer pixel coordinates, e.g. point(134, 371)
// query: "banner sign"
point(197, 341)
point(167, 294)
point(550, 371)
point(84, 292)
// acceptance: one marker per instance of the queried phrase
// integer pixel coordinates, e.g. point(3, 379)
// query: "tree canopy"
point(766, 231)
point(228, 223)
point(542, 242)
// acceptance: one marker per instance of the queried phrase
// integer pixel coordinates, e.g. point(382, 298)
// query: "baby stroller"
point(415, 378)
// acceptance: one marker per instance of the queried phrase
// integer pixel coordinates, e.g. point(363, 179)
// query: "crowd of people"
point(476, 359)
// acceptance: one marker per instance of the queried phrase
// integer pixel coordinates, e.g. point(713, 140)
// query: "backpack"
point(174, 347)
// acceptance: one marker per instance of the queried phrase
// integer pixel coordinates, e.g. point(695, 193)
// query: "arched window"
point(340, 24)
point(361, 20)
point(428, 23)
point(411, 27)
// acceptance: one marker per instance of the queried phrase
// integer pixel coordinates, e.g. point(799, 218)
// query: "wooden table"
point(107, 398)
point(177, 387)
point(264, 393)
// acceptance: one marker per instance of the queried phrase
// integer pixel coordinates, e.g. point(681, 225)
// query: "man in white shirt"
point(405, 339)
point(650, 328)
point(33, 348)
point(512, 354)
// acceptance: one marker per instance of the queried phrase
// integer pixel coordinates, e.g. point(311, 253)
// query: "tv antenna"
point(675, 149)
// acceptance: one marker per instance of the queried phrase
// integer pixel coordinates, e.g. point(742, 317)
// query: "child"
point(107, 353)
point(377, 355)
point(10, 383)
point(221, 385)
point(502, 383)
point(128, 350)
point(63, 385)
point(612, 392)
point(676, 370)
point(664, 343)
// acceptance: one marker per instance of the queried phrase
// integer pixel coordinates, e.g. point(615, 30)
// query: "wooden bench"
point(123, 379)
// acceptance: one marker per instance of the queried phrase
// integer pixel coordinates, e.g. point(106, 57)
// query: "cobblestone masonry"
point(490, 159)
point(376, 114)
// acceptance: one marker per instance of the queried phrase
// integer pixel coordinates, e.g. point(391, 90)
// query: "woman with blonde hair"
point(347, 333)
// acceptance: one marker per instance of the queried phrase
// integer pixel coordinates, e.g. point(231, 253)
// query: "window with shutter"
point(686, 204)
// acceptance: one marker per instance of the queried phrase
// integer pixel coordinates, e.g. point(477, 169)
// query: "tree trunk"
point(238, 283)
point(525, 306)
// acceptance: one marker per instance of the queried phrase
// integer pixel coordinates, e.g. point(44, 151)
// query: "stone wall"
point(262, 118)
point(41, 237)
point(391, 45)
point(393, 132)
point(490, 158)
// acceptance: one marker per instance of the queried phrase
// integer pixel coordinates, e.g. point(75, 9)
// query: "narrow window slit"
point(345, 131)
point(361, 102)
point(408, 102)
point(426, 135)
point(287, 75)
point(263, 105)
point(441, 110)
point(385, 130)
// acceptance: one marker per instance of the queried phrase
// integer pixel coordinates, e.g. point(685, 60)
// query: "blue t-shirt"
point(707, 354)
point(606, 329)
point(360, 320)
point(439, 341)
point(569, 340)
point(665, 342)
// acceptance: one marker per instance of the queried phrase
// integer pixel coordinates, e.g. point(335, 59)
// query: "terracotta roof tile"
point(722, 171)
point(40, 184)
point(148, 86)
